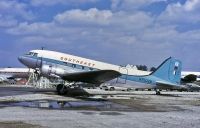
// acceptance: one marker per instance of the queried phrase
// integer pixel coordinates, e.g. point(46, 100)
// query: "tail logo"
point(176, 68)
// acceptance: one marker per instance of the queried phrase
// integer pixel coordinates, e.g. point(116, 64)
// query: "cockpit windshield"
point(32, 54)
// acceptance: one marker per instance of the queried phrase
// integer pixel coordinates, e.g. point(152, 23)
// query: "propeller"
point(38, 71)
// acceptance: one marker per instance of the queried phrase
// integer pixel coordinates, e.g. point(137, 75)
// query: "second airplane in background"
point(74, 69)
point(11, 74)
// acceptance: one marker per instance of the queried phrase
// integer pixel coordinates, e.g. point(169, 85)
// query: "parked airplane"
point(8, 74)
point(74, 69)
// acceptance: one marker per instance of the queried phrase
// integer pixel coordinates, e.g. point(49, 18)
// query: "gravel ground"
point(97, 119)
point(172, 109)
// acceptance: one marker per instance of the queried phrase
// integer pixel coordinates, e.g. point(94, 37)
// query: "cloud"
point(131, 5)
point(178, 13)
point(7, 21)
point(55, 2)
point(96, 30)
point(118, 35)
point(191, 5)
point(91, 16)
point(31, 29)
point(15, 8)
point(84, 20)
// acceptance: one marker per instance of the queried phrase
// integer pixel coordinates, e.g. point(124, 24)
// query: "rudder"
point(169, 70)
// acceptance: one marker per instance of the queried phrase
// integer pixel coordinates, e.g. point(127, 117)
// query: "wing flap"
point(93, 77)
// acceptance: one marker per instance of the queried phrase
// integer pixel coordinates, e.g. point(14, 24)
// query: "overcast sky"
point(115, 31)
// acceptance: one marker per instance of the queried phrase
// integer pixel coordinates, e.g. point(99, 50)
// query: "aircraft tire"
point(61, 89)
point(157, 92)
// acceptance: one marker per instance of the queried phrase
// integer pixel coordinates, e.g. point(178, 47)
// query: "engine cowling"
point(52, 71)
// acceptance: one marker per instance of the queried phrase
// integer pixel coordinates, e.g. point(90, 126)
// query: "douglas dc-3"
point(74, 69)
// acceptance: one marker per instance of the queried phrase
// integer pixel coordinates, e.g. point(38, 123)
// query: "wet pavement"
point(32, 98)
point(70, 105)
point(48, 99)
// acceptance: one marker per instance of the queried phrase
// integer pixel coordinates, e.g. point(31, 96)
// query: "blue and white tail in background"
point(169, 70)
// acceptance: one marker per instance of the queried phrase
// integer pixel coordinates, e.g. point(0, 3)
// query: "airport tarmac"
point(25, 107)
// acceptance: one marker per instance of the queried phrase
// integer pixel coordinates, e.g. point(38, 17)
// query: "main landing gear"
point(61, 89)
point(157, 91)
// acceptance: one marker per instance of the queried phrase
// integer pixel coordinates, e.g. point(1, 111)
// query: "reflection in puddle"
point(94, 105)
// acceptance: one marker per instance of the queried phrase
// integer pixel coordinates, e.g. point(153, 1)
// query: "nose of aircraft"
point(28, 61)
point(20, 58)
point(23, 60)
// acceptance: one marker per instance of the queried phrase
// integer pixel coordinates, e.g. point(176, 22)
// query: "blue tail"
point(169, 70)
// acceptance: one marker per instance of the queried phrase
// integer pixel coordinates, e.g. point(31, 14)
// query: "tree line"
point(145, 68)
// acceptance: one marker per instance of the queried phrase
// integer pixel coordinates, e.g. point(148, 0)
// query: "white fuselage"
point(66, 58)
point(66, 63)
point(57, 64)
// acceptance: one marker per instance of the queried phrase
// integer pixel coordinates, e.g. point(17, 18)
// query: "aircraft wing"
point(93, 77)
point(167, 85)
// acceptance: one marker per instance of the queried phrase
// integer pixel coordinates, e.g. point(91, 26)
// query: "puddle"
point(88, 113)
point(82, 105)
point(123, 106)
point(111, 113)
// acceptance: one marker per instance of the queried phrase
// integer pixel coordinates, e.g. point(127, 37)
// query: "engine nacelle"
point(52, 71)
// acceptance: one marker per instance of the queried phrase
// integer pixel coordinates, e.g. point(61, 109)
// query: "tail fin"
point(169, 70)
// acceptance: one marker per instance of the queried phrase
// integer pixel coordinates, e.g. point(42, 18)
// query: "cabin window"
point(73, 65)
point(35, 54)
point(32, 54)
point(65, 63)
point(70, 65)
point(78, 67)
point(86, 68)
